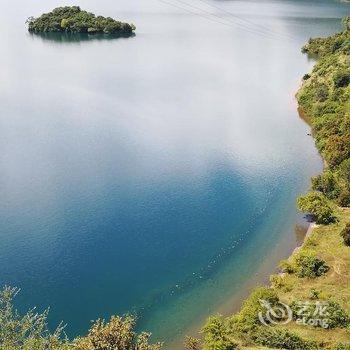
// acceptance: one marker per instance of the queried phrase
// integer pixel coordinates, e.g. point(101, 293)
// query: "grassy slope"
point(327, 242)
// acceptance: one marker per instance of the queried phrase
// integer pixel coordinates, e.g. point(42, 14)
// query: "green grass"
point(327, 242)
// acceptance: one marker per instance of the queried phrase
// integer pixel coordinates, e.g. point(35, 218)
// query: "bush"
point(308, 265)
point(337, 149)
point(345, 233)
point(282, 339)
point(344, 198)
point(286, 266)
point(342, 78)
point(279, 282)
point(318, 206)
point(247, 320)
point(337, 316)
point(315, 294)
point(30, 331)
point(334, 315)
point(305, 264)
point(327, 184)
point(26, 332)
point(321, 93)
point(216, 335)
point(118, 333)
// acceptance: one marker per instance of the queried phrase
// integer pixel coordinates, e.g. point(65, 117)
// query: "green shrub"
point(216, 335)
point(308, 265)
point(314, 294)
point(118, 333)
point(282, 339)
point(318, 206)
point(305, 264)
point(247, 320)
point(321, 93)
point(327, 184)
point(344, 198)
point(345, 233)
point(337, 316)
point(30, 331)
point(26, 332)
point(279, 282)
point(337, 149)
point(342, 78)
point(333, 315)
point(286, 266)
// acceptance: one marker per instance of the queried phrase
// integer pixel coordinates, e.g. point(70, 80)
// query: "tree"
point(26, 332)
point(30, 331)
point(337, 149)
point(216, 335)
point(117, 334)
point(327, 184)
point(316, 204)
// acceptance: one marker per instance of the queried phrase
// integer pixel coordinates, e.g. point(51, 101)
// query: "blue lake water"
point(156, 174)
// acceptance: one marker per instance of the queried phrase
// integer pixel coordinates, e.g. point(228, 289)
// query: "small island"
point(71, 19)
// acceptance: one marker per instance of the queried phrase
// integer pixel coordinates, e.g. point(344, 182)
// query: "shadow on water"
point(79, 37)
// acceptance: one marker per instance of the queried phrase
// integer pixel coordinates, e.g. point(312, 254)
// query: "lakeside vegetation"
point(71, 19)
point(325, 99)
point(318, 273)
point(30, 331)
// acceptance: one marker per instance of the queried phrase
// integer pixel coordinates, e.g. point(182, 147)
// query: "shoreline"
point(261, 277)
point(265, 271)
point(309, 231)
point(312, 271)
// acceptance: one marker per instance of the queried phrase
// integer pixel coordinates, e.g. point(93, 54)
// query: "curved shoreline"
point(315, 270)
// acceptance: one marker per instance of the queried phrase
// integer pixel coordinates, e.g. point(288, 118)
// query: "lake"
point(155, 174)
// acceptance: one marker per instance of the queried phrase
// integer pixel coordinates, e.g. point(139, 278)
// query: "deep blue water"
point(155, 174)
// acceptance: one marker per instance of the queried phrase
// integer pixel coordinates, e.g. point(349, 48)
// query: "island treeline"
point(71, 19)
point(318, 272)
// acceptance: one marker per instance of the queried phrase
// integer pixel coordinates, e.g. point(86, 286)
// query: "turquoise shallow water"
point(154, 174)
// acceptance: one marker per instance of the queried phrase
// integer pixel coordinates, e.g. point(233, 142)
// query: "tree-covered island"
point(71, 19)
